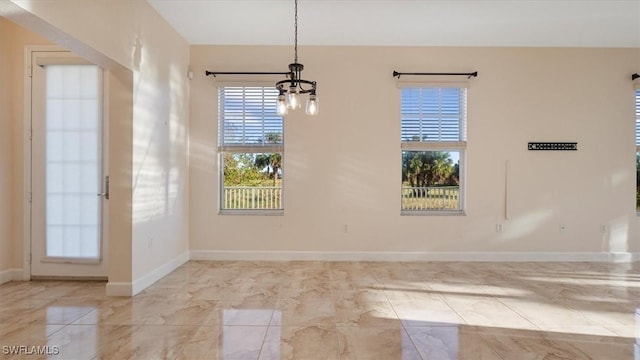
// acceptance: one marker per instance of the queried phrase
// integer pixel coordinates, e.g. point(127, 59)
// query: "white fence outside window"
point(252, 197)
point(431, 198)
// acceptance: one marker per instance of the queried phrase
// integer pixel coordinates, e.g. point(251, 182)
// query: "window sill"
point(71, 260)
point(278, 212)
point(432, 213)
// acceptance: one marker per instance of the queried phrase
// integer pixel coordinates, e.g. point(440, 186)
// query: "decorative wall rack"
point(468, 75)
point(554, 146)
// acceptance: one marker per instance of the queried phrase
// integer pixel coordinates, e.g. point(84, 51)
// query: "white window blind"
point(637, 117)
point(248, 116)
point(433, 114)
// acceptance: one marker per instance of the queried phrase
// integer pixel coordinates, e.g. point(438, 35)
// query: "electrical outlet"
point(345, 228)
point(499, 228)
point(603, 228)
point(149, 242)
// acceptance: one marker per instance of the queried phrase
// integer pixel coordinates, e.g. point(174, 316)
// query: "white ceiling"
point(583, 23)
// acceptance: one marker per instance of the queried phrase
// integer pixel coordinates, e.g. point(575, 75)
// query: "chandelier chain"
point(296, 32)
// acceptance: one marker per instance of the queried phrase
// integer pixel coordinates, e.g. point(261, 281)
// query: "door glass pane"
point(73, 160)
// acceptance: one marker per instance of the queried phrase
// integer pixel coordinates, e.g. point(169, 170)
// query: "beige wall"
point(6, 233)
point(148, 120)
point(343, 166)
point(13, 39)
point(160, 146)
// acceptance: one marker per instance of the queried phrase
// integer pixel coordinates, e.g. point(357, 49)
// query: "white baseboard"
point(119, 289)
point(622, 257)
point(10, 275)
point(143, 282)
point(158, 273)
point(413, 256)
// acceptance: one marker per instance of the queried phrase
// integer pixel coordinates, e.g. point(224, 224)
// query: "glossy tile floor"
point(337, 310)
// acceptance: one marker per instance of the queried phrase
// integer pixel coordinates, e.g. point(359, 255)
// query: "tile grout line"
point(538, 328)
point(335, 320)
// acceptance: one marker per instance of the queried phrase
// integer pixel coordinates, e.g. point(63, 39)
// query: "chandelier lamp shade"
point(291, 89)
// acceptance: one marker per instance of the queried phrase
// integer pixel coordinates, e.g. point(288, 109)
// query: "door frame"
point(28, 160)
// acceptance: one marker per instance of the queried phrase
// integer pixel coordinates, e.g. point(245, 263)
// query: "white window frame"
point(444, 146)
point(244, 148)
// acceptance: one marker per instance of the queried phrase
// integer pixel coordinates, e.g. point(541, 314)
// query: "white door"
point(68, 183)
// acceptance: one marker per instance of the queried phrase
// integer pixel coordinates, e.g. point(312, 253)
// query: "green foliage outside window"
point(250, 169)
point(429, 168)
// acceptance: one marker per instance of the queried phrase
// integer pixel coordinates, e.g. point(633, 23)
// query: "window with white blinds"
point(638, 117)
point(433, 123)
point(433, 114)
point(638, 150)
point(248, 116)
point(251, 147)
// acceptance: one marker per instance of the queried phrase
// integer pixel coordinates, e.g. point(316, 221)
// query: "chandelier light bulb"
point(294, 98)
point(312, 105)
point(282, 105)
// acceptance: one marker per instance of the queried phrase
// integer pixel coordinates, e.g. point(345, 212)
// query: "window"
point(251, 146)
point(433, 135)
point(638, 150)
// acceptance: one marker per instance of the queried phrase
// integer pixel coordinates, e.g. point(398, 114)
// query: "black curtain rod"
point(469, 75)
point(635, 76)
point(214, 73)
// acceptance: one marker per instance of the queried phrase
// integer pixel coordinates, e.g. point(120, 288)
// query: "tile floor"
point(336, 310)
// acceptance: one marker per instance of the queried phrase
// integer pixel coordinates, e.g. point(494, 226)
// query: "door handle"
point(105, 194)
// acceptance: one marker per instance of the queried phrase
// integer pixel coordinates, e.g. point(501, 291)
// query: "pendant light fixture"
point(291, 89)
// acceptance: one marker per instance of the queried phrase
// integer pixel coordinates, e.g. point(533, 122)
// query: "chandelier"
point(290, 89)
